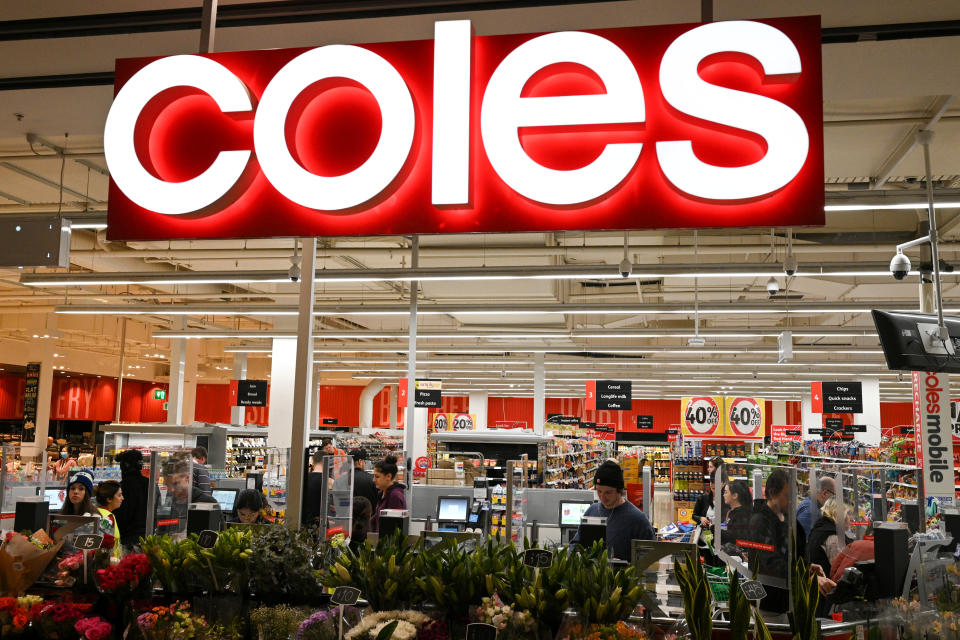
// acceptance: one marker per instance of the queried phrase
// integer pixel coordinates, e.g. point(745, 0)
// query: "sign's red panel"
point(713, 125)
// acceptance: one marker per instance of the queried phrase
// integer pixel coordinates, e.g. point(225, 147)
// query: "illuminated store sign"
point(708, 125)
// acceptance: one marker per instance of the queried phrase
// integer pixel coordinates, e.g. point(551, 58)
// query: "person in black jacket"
point(736, 496)
point(363, 485)
point(770, 549)
point(131, 516)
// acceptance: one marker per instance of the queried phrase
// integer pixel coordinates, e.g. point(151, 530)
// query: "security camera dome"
point(900, 266)
point(773, 286)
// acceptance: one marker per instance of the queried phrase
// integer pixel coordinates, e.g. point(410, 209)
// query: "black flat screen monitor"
point(571, 511)
point(226, 498)
point(590, 533)
point(452, 508)
point(911, 515)
point(910, 341)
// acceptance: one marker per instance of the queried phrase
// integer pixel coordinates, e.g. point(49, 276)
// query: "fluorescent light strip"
point(88, 225)
point(890, 206)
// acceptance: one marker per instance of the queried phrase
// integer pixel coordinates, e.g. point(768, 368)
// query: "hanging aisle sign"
point(609, 395)
point(692, 125)
point(932, 433)
point(836, 397)
point(701, 417)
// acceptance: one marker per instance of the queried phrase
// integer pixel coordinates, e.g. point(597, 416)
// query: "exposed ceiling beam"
point(907, 144)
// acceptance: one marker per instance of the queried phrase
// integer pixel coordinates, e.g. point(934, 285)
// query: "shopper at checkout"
point(809, 510)
point(131, 516)
point(624, 521)
point(392, 493)
point(363, 484)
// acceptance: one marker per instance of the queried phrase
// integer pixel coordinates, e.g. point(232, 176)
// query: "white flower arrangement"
point(370, 625)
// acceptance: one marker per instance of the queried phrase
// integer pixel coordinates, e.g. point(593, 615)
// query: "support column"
point(477, 405)
point(367, 397)
point(192, 356)
point(178, 362)
point(871, 411)
point(315, 412)
point(808, 418)
point(123, 352)
point(282, 379)
point(238, 415)
point(411, 424)
point(302, 388)
point(394, 389)
point(539, 393)
point(779, 412)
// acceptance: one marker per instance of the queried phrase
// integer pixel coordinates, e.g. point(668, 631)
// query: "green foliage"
point(387, 632)
point(806, 597)
point(282, 562)
point(546, 595)
point(740, 610)
point(225, 567)
point(277, 623)
point(697, 600)
point(167, 557)
point(602, 593)
point(450, 579)
point(763, 633)
point(387, 575)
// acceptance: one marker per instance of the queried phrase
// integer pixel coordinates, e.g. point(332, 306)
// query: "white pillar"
point(419, 433)
point(366, 403)
point(282, 379)
point(238, 415)
point(539, 393)
point(178, 362)
point(808, 418)
point(477, 405)
point(182, 399)
point(779, 412)
point(393, 405)
point(871, 411)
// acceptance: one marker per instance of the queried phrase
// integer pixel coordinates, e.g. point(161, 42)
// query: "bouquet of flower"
point(509, 622)
point(57, 620)
point(95, 628)
point(616, 631)
point(16, 614)
point(127, 578)
point(173, 623)
point(23, 558)
point(408, 625)
point(321, 625)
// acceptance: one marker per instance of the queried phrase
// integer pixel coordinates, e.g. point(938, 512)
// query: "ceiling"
point(881, 84)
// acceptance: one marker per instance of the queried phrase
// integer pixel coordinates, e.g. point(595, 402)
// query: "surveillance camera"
point(294, 273)
point(754, 375)
point(773, 286)
point(625, 268)
point(790, 265)
point(900, 266)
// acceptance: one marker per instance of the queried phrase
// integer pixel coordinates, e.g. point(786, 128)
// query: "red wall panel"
point(341, 402)
point(895, 414)
point(213, 403)
point(510, 410)
point(11, 397)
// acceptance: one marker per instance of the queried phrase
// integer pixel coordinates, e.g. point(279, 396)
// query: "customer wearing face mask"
point(68, 460)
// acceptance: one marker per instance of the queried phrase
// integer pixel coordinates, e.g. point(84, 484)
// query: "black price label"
point(753, 590)
point(855, 428)
point(644, 423)
point(907, 431)
point(329, 421)
point(816, 432)
point(672, 432)
point(87, 542)
point(833, 423)
point(793, 432)
point(345, 596)
point(207, 539)
point(481, 631)
point(537, 558)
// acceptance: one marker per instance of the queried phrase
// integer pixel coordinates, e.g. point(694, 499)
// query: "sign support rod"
point(302, 386)
point(208, 25)
point(123, 349)
point(408, 427)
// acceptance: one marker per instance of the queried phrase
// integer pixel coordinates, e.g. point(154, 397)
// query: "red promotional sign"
point(786, 432)
point(591, 396)
point(403, 390)
point(692, 125)
point(816, 397)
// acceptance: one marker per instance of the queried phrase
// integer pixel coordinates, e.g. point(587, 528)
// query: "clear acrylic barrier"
point(277, 462)
point(171, 471)
point(337, 496)
point(22, 477)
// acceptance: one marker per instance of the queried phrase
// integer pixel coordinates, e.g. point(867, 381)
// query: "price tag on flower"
point(88, 542)
point(481, 631)
point(537, 558)
point(345, 596)
point(753, 590)
point(207, 539)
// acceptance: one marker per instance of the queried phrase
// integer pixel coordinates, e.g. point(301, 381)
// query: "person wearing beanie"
point(131, 516)
point(624, 521)
point(79, 493)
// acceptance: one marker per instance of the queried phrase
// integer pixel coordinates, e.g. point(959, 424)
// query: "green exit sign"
point(159, 394)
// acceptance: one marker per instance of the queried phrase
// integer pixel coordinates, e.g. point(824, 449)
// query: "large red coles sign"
point(708, 125)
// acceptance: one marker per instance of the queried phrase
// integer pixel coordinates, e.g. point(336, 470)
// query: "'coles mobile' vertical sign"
point(932, 431)
point(31, 392)
point(691, 125)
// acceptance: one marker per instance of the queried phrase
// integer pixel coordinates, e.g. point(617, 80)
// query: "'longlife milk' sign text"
point(710, 125)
